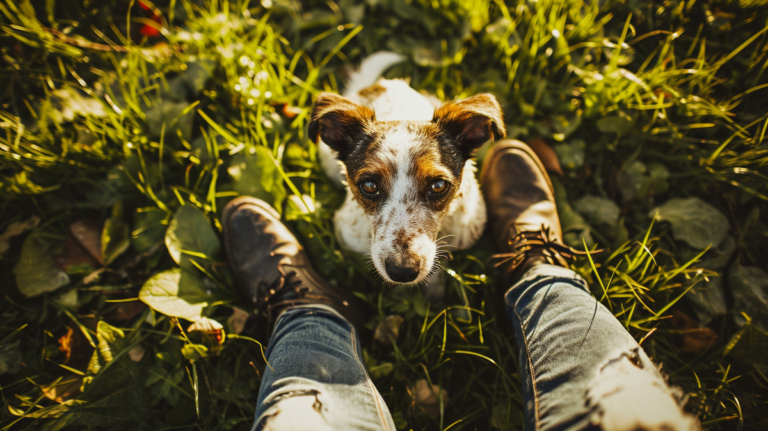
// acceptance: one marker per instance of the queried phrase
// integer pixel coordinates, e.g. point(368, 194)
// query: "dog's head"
point(404, 174)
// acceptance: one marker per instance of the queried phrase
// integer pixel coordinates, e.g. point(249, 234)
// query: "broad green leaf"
point(615, 124)
point(597, 210)
point(10, 357)
point(575, 228)
point(176, 293)
point(708, 297)
point(255, 174)
point(749, 286)
point(694, 221)
point(194, 351)
point(571, 155)
point(190, 236)
point(35, 273)
point(114, 236)
point(148, 229)
point(174, 117)
point(750, 345)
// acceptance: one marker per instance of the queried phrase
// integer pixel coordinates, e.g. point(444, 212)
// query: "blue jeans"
point(578, 364)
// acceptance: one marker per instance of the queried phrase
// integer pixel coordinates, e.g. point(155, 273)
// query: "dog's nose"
point(401, 274)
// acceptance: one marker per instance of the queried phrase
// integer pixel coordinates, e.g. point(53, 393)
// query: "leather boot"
point(270, 266)
point(521, 208)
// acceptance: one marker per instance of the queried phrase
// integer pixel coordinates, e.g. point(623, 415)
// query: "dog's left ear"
point(472, 121)
point(339, 122)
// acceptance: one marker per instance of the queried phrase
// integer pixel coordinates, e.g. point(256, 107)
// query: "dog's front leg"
point(353, 230)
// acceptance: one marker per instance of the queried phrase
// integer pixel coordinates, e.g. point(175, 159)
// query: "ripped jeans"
point(580, 368)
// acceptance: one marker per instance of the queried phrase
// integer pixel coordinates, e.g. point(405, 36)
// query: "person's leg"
point(579, 366)
point(315, 379)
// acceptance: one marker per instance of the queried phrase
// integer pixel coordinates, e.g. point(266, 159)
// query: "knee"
point(297, 410)
point(628, 393)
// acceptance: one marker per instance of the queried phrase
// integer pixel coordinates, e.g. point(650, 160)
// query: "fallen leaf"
point(88, 234)
point(65, 343)
point(75, 346)
point(125, 311)
point(388, 329)
point(427, 398)
point(114, 237)
point(694, 221)
point(749, 346)
point(695, 340)
point(597, 210)
point(749, 286)
point(74, 258)
point(546, 154)
point(35, 272)
point(148, 229)
point(16, 229)
point(194, 351)
point(237, 320)
point(10, 357)
point(175, 293)
point(63, 390)
point(137, 353)
point(212, 331)
point(255, 174)
point(571, 155)
point(190, 236)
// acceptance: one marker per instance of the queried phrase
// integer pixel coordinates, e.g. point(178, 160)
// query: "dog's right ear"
point(339, 122)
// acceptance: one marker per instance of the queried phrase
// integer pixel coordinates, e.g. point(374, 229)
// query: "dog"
point(407, 163)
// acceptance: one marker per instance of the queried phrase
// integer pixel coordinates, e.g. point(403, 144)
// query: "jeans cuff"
point(539, 271)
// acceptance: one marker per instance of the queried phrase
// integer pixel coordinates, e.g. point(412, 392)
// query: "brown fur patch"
point(372, 92)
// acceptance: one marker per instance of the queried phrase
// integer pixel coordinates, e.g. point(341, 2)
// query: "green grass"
point(108, 129)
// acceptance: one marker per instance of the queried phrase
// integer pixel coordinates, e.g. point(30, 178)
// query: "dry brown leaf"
point(64, 390)
point(125, 311)
point(547, 155)
point(426, 398)
point(388, 329)
point(695, 339)
point(237, 320)
point(213, 329)
point(88, 233)
point(73, 255)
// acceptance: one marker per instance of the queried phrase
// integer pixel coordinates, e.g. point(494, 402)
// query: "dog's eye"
point(439, 187)
point(369, 187)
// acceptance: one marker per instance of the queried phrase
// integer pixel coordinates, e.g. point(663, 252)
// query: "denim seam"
point(368, 380)
point(533, 374)
point(531, 369)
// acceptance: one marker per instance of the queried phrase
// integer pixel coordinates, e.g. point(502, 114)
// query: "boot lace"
point(536, 244)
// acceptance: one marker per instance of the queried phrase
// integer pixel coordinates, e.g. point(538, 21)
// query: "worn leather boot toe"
point(270, 266)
